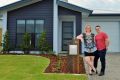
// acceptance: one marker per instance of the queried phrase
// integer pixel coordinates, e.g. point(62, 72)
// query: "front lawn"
point(28, 67)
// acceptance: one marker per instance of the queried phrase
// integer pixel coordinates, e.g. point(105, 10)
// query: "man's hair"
point(98, 26)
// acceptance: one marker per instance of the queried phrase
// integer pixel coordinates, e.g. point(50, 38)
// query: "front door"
point(67, 34)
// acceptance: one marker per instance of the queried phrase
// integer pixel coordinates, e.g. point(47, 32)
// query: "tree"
point(42, 43)
point(26, 44)
point(6, 46)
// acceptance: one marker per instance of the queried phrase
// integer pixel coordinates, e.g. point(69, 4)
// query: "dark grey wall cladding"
point(39, 10)
point(65, 11)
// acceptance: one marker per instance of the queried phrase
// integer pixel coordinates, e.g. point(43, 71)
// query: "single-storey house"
point(62, 21)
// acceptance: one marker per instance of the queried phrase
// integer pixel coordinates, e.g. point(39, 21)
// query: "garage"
point(112, 28)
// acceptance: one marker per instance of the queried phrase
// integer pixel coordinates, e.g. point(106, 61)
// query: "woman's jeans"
point(100, 54)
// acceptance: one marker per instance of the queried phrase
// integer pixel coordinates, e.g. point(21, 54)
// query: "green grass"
point(26, 67)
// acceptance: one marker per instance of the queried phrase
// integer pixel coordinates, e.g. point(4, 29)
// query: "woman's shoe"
point(94, 71)
point(90, 74)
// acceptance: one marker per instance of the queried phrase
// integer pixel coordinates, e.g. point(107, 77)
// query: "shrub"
point(26, 44)
point(43, 45)
point(6, 46)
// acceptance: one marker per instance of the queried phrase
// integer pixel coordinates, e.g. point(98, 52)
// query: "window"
point(20, 26)
point(20, 31)
point(19, 40)
point(38, 30)
point(39, 26)
point(33, 27)
point(36, 40)
point(30, 26)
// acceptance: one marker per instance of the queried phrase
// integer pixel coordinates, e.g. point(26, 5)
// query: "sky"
point(99, 5)
point(95, 5)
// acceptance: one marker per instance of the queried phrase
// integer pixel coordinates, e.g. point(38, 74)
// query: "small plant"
point(51, 52)
point(58, 64)
point(26, 44)
point(6, 46)
point(43, 45)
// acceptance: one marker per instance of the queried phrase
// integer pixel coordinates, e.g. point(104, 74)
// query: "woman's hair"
point(88, 26)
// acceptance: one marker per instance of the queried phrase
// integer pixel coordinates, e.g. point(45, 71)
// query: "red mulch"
point(68, 64)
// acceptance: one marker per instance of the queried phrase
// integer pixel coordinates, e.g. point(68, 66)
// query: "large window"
point(33, 27)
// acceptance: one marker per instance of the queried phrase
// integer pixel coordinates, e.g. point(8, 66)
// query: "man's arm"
point(106, 40)
point(107, 43)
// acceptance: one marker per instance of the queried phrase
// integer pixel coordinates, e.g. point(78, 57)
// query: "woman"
point(89, 47)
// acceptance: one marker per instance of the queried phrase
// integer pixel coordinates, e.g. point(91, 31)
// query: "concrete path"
point(112, 68)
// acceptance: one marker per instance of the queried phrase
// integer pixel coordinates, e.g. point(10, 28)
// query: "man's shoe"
point(101, 74)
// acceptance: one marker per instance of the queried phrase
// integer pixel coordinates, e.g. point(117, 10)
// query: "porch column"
point(55, 27)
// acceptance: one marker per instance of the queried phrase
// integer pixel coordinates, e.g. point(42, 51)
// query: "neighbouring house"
point(62, 21)
point(0, 37)
point(0, 33)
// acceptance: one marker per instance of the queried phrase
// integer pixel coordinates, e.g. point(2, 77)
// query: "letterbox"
point(74, 47)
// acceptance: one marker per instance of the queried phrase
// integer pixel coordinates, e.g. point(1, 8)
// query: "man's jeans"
point(100, 54)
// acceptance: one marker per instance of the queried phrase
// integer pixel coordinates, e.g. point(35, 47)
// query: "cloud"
point(98, 4)
point(6, 2)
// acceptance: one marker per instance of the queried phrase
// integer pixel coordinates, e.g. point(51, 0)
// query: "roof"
point(67, 5)
point(22, 3)
point(108, 14)
point(18, 4)
point(73, 7)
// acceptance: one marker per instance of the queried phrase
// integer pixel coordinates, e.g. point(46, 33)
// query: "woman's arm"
point(94, 41)
point(80, 37)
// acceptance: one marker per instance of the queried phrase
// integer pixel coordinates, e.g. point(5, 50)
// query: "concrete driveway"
point(112, 68)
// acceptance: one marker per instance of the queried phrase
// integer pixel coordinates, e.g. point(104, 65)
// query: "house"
point(61, 21)
point(0, 36)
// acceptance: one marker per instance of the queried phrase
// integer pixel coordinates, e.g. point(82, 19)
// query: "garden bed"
point(64, 64)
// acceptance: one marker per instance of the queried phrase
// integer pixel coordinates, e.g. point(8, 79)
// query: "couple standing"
point(91, 43)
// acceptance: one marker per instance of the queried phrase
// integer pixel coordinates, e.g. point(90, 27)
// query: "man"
point(102, 43)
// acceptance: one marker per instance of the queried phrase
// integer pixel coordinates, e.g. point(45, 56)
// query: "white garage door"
point(113, 31)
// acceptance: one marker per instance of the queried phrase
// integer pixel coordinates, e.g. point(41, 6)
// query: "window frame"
point(26, 30)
